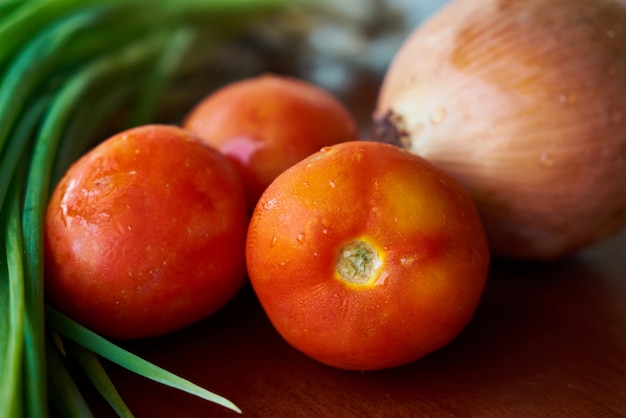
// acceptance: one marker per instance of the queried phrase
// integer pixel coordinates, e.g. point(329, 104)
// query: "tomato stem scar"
point(358, 262)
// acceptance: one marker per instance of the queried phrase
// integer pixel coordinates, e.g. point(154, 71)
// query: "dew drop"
point(546, 160)
point(438, 116)
point(269, 204)
point(301, 237)
point(475, 254)
point(565, 98)
point(325, 231)
point(382, 278)
point(332, 183)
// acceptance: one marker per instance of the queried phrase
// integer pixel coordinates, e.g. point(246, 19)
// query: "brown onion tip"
point(389, 127)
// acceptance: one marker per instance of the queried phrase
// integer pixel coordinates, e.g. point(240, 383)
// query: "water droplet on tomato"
point(382, 278)
point(301, 237)
point(269, 204)
point(566, 98)
point(546, 160)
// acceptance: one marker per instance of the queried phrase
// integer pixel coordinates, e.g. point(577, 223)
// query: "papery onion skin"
point(524, 102)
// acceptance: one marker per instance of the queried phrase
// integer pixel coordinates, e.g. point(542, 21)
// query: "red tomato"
point(365, 256)
point(146, 234)
point(268, 123)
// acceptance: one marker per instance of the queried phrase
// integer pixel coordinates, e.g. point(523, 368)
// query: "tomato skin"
point(145, 234)
point(420, 221)
point(266, 124)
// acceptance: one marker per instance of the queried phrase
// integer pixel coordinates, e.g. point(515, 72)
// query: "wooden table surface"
point(548, 340)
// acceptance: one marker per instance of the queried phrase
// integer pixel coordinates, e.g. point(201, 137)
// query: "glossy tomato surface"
point(146, 234)
point(266, 124)
point(365, 256)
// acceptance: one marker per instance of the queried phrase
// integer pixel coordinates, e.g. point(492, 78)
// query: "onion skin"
point(524, 102)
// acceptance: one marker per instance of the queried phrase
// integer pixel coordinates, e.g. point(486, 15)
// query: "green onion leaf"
point(12, 308)
point(64, 393)
point(91, 365)
point(123, 358)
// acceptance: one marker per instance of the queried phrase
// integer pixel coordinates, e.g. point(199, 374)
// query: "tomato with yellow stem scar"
point(365, 256)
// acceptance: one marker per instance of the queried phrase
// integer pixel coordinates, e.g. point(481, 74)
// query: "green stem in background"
point(91, 365)
point(158, 78)
point(129, 361)
point(88, 123)
point(14, 297)
point(8, 6)
point(64, 393)
point(27, 19)
point(36, 59)
point(19, 142)
point(12, 307)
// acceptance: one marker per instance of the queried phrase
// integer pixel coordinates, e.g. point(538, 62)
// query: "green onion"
point(92, 367)
point(112, 352)
point(64, 393)
point(12, 309)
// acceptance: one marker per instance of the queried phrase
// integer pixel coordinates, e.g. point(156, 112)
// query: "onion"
point(524, 102)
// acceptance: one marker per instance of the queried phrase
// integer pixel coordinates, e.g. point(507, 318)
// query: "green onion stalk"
point(69, 69)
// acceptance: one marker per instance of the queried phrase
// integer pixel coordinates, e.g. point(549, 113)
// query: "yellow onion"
point(524, 102)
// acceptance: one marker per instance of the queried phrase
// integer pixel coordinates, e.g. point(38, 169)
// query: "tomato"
point(145, 234)
point(366, 257)
point(268, 123)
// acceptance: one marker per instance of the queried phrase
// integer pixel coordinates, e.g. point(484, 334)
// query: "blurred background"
point(343, 46)
point(360, 35)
